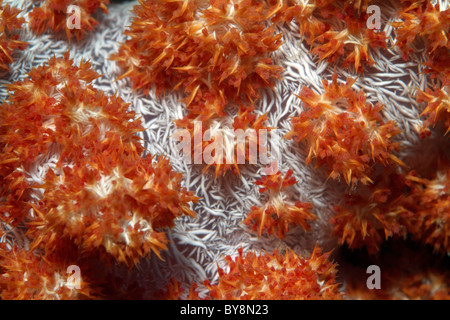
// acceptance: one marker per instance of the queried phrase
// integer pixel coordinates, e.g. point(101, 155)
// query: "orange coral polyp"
point(276, 277)
point(24, 276)
point(430, 199)
point(437, 107)
point(424, 20)
point(279, 213)
point(9, 39)
point(220, 49)
point(119, 206)
point(224, 144)
point(344, 132)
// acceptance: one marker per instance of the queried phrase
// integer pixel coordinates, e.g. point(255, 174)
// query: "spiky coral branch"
point(9, 39)
point(214, 52)
point(223, 143)
point(422, 19)
point(344, 132)
point(97, 189)
point(279, 213)
point(373, 215)
point(276, 276)
point(431, 200)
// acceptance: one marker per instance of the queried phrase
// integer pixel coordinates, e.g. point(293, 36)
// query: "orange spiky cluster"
point(54, 14)
point(422, 19)
point(25, 276)
point(353, 39)
point(97, 190)
point(436, 97)
point(306, 14)
point(9, 39)
point(215, 52)
point(277, 277)
point(344, 132)
point(354, 42)
point(278, 214)
point(430, 199)
point(373, 215)
point(120, 205)
point(397, 206)
point(225, 144)
point(437, 107)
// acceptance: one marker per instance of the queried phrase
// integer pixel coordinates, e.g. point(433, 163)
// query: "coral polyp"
point(10, 23)
point(373, 215)
point(424, 20)
point(116, 204)
point(225, 143)
point(430, 197)
point(80, 167)
point(279, 213)
point(276, 276)
point(354, 42)
point(344, 132)
point(215, 51)
point(25, 276)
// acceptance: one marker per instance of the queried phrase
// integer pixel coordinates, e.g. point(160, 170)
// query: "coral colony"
point(9, 38)
point(78, 187)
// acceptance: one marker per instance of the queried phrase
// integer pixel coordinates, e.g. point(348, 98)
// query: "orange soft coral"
point(97, 189)
point(54, 15)
point(348, 36)
point(9, 39)
point(431, 200)
point(279, 213)
point(344, 132)
point(25, 276)
point(437, 108)
point(373, 215)
point(223, 142)
point(112, 202)
point(57, 113)
point(436, 97)
point(423, 20)
point(353, 42)
point(397, 206)
point(408, 272)
point(214, 52)
point(306, 16)
point(277, 277)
